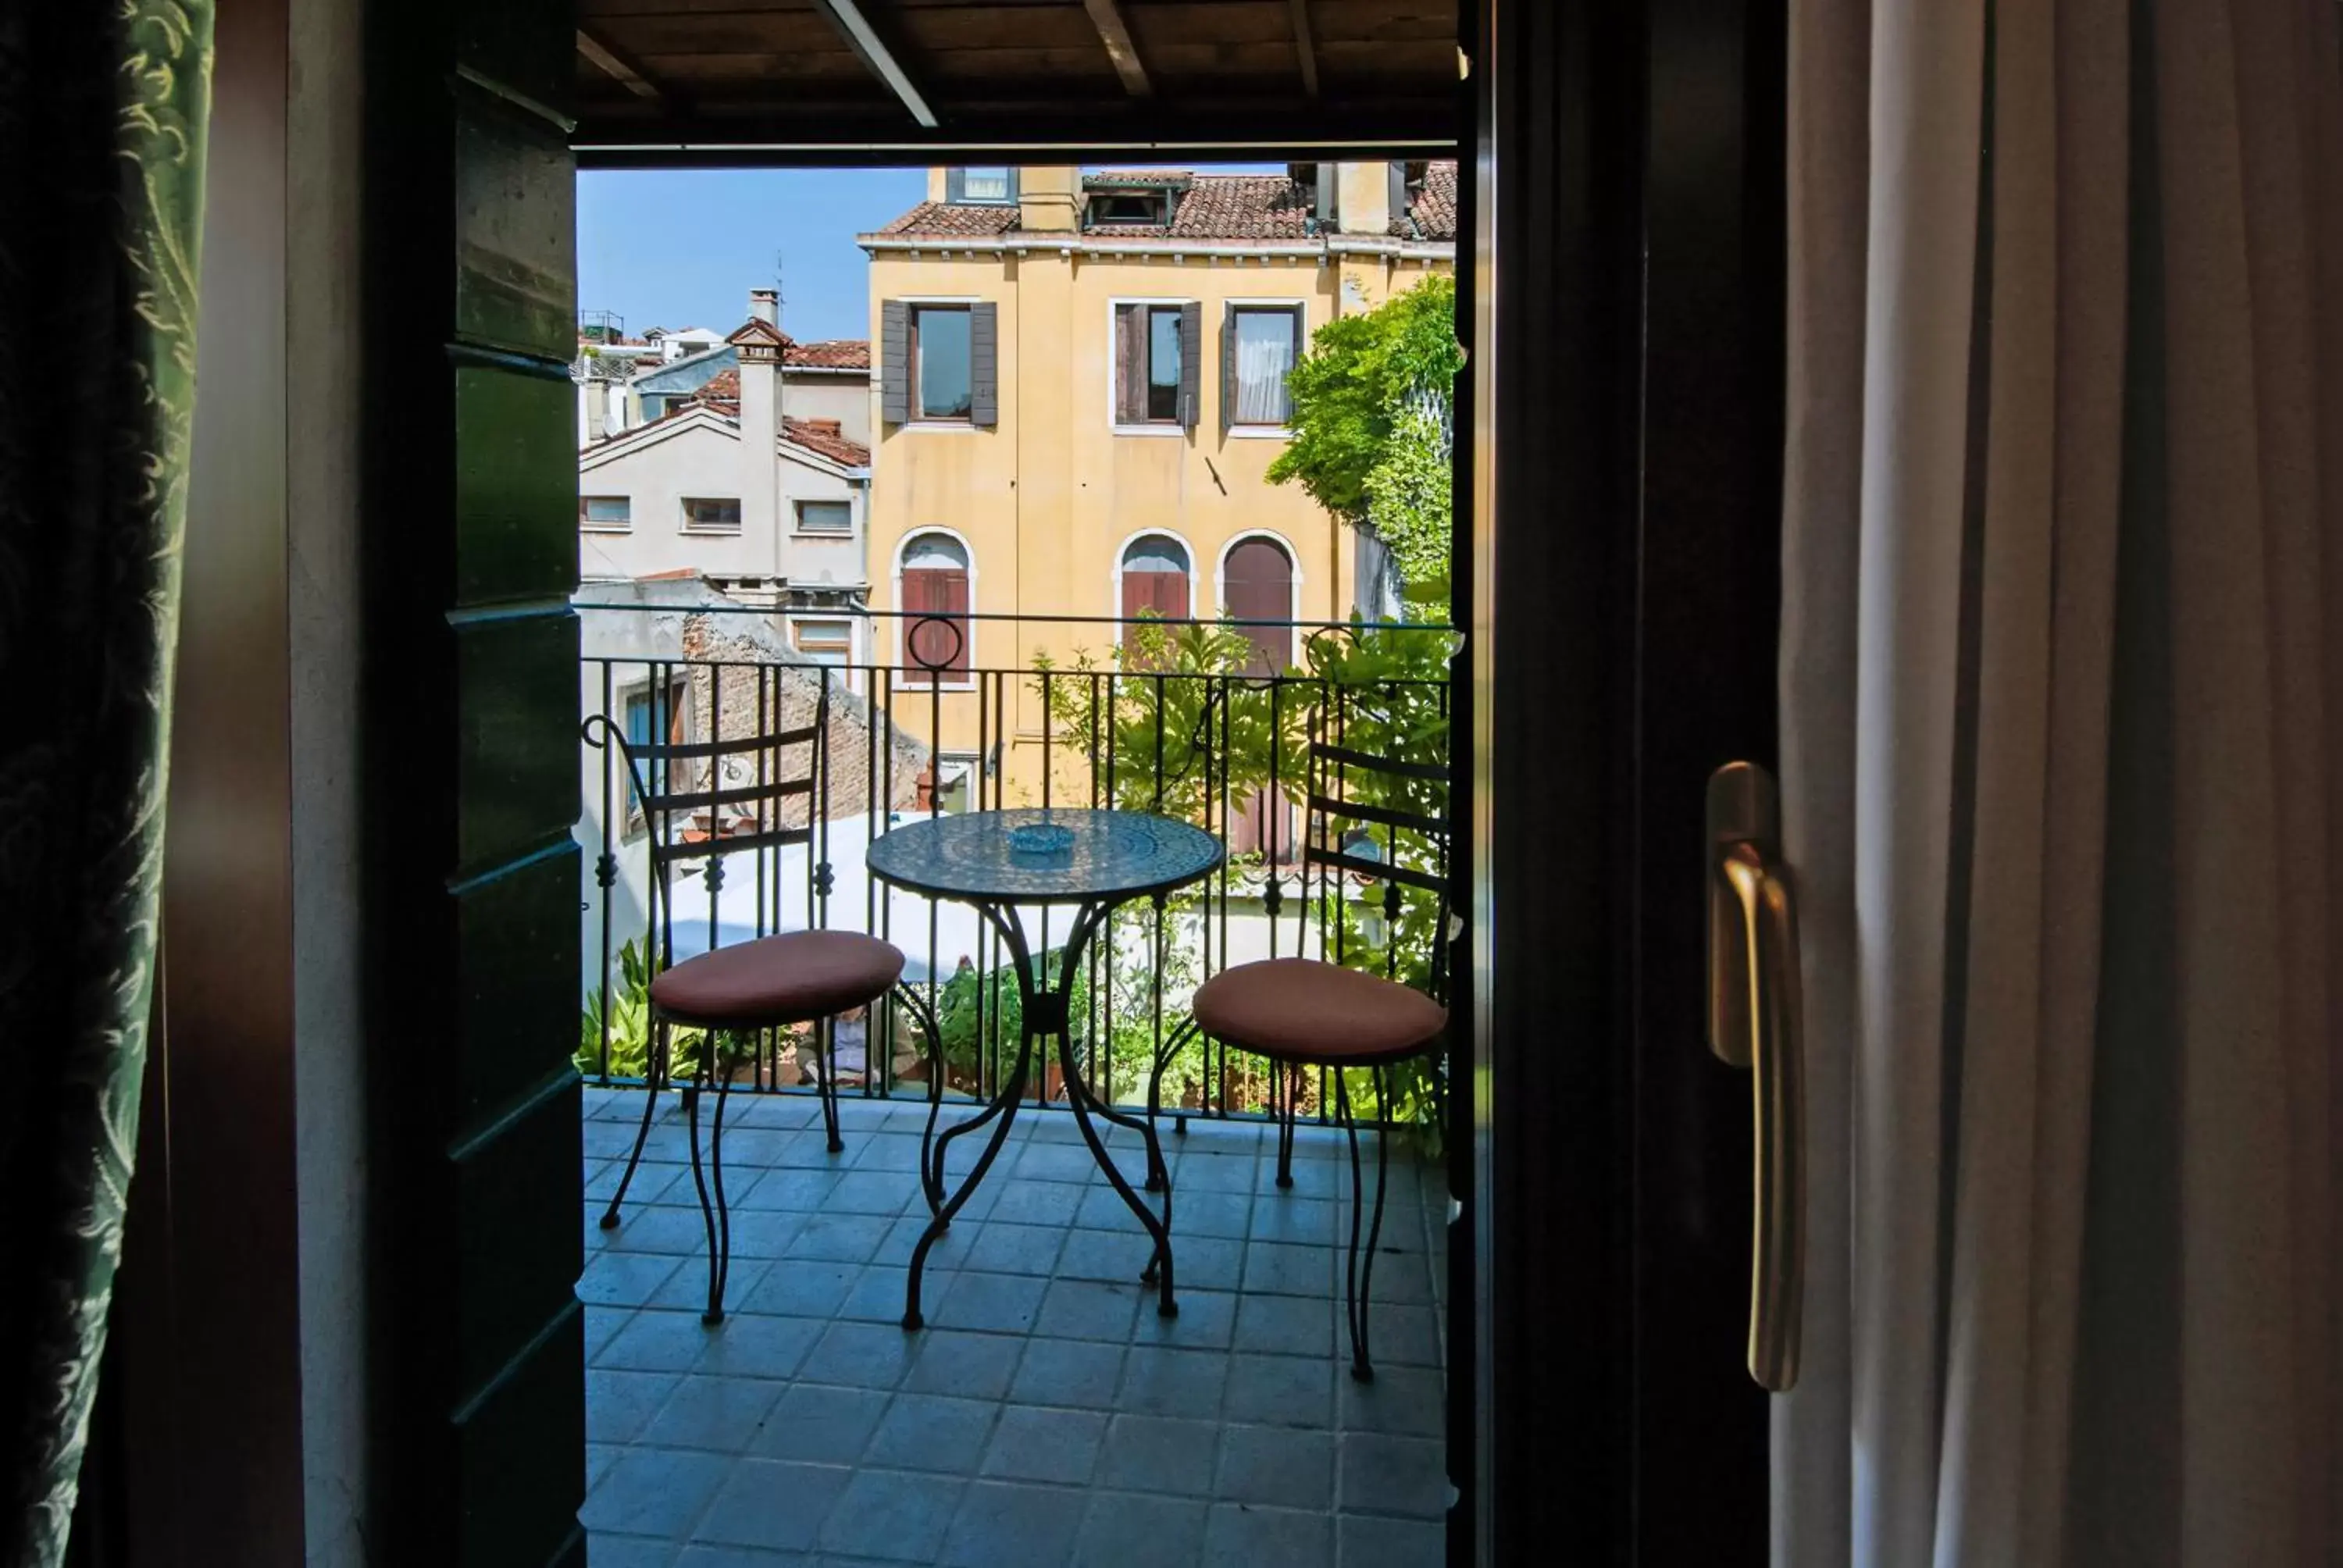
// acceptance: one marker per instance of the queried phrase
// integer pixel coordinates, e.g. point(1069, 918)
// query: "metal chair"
point(1303, 1013)
point(773, 982)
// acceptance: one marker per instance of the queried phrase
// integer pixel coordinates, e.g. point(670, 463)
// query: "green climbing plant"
point(1148, 715)
point(1370, 441)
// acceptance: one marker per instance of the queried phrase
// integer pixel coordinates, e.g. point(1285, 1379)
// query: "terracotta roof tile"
point(946, 221)
point(1242, 207)
point(1212, 206)
point(823, 435)
point(721, 395)
point(833, 353)
point(1435, 206)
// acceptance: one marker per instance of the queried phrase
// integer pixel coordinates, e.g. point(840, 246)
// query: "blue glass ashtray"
point(1040, 839)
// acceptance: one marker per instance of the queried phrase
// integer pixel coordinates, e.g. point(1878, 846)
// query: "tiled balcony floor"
point(1046, 1414)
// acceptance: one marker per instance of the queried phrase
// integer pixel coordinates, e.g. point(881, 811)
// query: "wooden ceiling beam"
point(618, 64)
point(1302, 46)
point(877, 50)
point(1114, 32)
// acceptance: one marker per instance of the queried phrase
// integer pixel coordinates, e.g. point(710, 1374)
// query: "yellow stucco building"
point(1080, 382)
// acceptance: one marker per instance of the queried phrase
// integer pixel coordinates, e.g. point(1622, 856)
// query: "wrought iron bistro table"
point(991, 859)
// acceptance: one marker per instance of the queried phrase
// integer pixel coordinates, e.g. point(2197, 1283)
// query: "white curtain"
point(2063, 780)
point(1264, 355)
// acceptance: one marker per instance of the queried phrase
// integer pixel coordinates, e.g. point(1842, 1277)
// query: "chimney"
point(760, 367)
point(1363, 202)
point(1050, 198)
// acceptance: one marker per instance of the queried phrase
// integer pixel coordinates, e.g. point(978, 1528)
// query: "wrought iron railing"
point(1182, 718)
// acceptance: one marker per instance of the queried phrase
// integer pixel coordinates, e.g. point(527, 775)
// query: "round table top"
point(1113, 855)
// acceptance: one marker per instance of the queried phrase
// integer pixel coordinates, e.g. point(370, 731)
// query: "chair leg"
point(1291, 1079)
point(714, 1314)
point(1358, 1275)
point(720, 1262)
point(655, 1079)
point(825, 1045)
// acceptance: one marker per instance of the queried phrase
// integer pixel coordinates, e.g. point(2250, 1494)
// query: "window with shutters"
point(1153, 379)
point(932, 592)
point(940, 363)
point(943, 386)
point(1261, 346)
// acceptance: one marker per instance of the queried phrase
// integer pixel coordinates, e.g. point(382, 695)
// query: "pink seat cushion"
point(1303, 1010)
point(792, 977)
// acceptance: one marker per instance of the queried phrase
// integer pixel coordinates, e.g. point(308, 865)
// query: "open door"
point(1627, 370)
point(471, 786)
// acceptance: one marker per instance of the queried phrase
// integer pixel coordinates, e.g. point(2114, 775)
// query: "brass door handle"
point(1755, 1019)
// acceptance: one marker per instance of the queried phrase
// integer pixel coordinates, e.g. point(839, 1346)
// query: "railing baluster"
point(606, 876)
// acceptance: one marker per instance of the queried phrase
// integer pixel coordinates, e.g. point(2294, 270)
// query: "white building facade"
point(759, 485)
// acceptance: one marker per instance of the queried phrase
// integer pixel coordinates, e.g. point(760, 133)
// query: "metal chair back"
point(1376, 820)
point(708, 800)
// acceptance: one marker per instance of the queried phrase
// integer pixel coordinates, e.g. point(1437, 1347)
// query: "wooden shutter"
point(918, 598)
point(933, 590)
point(894, 361)
point(1257, 584)
point(1128, 364)
point(1228, 365)
point(1192, 361)
point(1164, 594)
point(984, 364)
point(952, 590)
point(1160, 594)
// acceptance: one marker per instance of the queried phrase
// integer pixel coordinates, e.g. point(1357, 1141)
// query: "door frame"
point(1625, 504)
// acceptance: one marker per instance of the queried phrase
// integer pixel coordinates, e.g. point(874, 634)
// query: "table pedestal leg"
point(1003, 1106)
point(1044, 1011)
point(1082, 1101)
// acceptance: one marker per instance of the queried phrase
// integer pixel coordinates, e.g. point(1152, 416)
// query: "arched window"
point(1257, 584)
point(935, 577)
point(1155, 578)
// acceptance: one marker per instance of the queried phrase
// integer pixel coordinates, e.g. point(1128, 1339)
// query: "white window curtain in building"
point(1264, 355)
point(2063, 780)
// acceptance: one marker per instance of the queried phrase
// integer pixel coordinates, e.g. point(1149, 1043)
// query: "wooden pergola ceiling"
point(657, 78)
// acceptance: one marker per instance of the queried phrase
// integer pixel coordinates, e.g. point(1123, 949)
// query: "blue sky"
point(683, 248)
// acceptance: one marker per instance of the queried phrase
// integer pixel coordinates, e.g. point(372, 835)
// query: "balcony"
point(1046, 1414)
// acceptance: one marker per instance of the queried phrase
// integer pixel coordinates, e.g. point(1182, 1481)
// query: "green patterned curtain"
point(103, 106)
